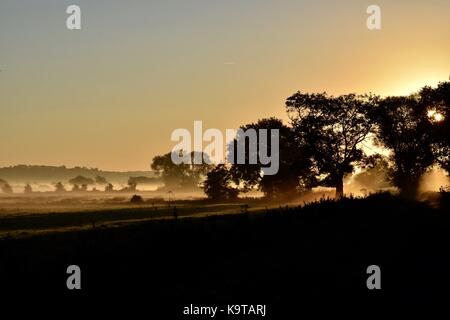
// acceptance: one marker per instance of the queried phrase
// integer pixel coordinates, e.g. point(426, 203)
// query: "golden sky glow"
point(110, 95)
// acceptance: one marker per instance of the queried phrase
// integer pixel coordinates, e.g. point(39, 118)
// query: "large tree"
point(294, 168)
point(218, 184)
point(181, 175)
point(405, 129)
point(436, 102)
point(332, 130)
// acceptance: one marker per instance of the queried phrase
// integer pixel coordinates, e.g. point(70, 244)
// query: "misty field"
point(58, 215)
point(23, 215)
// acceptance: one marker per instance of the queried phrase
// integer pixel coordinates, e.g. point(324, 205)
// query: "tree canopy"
point(218, 184)
point(180, 175)
point(294, 172)
point(80, 180)
point(331, 130)
point(436, 102)
point(404, 128)
point(327, 138)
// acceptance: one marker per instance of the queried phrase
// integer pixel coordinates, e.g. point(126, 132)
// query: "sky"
point(110, 95)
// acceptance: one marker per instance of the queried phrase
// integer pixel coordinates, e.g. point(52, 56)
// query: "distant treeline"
point(31, 173)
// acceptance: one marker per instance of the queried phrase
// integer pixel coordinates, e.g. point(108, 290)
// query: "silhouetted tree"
point(217, 185)
point(5, 187)
point(171, 173)
point(80, 180)
point(436, 102)
point(331, 131)
point(75, 188)
point(59, 187)
point(196, 171)
point(27, 188)
point(180, 175)
point(294, 172)
point(100, 180)
point(136, 199)
point(404, 128)
point(109, 187)
point(130, 188)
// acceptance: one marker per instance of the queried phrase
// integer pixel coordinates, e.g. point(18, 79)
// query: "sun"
point(435, 116)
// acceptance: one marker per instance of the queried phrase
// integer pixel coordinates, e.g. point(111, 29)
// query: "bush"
point(136, 199)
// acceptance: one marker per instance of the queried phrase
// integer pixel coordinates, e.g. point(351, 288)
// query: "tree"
point(331, 131)
point(404, 128)
point(294, 172)
point(132, 185)
point(5, 187)
point(180, 175)
point(27, 188)
point(196, 171)
point(59, 187)
point(109, 188)
point(217, 185)
point(100, 180)
point(80, 180)
point(436, 102)
point(171, 173)
point(136, 199)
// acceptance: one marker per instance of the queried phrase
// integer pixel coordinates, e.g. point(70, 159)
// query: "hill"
point(30, 173)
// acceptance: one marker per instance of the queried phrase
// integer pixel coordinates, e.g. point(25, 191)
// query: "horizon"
point(72, 167)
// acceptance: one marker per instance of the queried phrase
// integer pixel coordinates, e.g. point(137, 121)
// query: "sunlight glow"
point(413, 82)
point(435, 116)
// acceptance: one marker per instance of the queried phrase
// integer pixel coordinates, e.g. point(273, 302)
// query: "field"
point(290, 258)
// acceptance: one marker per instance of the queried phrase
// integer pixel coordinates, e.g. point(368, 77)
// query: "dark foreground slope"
point(289, 259)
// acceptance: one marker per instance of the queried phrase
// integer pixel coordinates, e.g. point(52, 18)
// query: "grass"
point(314, 255)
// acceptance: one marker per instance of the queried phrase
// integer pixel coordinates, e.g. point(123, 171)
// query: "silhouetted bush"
point(59, 187)
point(5, 187)
point(27, 188)
point(136, 199)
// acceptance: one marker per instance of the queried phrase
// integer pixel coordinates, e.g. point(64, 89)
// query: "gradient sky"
point(109, 95)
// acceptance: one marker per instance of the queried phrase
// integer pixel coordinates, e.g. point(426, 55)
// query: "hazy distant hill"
point(31, 173)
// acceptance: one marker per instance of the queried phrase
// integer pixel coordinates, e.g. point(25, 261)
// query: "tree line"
point(327, 138)
point(81, 183)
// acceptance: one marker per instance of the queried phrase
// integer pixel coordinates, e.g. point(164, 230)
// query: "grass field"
point(285, 257)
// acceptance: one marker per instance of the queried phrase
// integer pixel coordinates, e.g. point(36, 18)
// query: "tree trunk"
point(410, 189)
point(339, 187)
